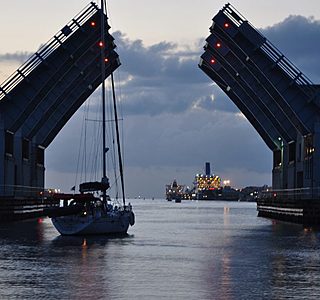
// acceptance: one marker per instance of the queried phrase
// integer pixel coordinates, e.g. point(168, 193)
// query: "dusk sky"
point(175, 118)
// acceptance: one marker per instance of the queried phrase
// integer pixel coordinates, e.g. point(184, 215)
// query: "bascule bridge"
point(280, 102)
point(38, 100)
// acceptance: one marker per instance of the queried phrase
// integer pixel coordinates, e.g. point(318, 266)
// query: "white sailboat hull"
point(99, 223)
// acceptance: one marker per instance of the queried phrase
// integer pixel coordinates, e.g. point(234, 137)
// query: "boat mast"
point(103, 88)
point(118, 139)
point(114, 108)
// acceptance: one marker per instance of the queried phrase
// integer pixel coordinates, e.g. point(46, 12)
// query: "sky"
point(174, 117)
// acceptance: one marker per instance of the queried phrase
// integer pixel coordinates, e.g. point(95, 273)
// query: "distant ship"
point(174, 191)
point(207, 186)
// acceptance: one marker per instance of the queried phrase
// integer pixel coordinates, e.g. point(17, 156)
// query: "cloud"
point(164, 78)
point(298, 38)
point(20, 56)
point(225, 139)
point(166, 146)
point(176, 118)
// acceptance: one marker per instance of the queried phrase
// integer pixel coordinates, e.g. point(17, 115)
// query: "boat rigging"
point(84, 213)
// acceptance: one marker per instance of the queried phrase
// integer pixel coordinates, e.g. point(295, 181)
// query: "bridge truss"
point(42, 95)
point(280, 102)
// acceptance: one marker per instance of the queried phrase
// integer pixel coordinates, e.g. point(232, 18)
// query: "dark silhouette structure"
point(281, 103)
point(38, 100)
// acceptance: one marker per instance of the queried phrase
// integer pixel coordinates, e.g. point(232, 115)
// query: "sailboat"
point(86, 213)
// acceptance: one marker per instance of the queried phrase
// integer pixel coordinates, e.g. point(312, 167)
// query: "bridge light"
point(93, 23)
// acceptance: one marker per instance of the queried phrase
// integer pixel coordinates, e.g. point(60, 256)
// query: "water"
point(188, 250)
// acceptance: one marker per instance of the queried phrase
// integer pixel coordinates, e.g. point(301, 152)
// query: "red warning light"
point(100, 44)
point(226, 25)
point(93, 23)
point(213, 61)
point(106, 59)
point(218, 45)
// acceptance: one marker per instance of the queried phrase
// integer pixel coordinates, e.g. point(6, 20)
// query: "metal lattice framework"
point(43, 94)
point(275, 96)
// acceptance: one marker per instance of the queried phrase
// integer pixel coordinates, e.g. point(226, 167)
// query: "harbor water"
point(189, 250)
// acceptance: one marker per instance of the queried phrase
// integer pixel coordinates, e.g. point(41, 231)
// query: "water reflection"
point(87, 270)
point(191, 251)
point(30, 232)
point(278, 261)
point(82, 258)
point(226, 215)
point(295, 261)
point(33, 259)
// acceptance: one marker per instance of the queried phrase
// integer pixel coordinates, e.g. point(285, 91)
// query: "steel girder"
point(278, 100)
point(47, 90)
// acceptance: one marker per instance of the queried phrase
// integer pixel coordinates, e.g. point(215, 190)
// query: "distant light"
point(93, 23)
point(279, 138)
point(218, 45)
point(106, 59)
point(226, 25)
point(213, 61)
point(100, 44)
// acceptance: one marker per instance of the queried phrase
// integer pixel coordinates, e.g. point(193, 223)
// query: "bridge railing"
point(303, 82)
point(297, 194)
point(46, 49)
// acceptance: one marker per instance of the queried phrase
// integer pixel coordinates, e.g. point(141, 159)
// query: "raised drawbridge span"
point(39, 99)
point(280, 102)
